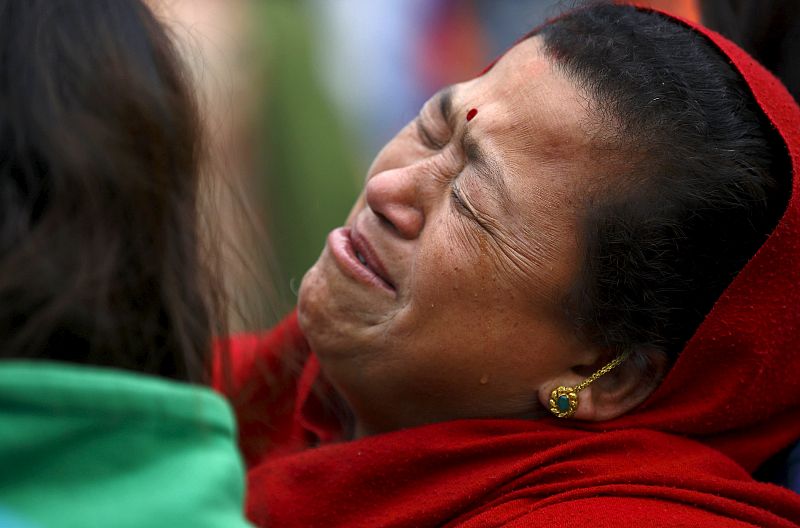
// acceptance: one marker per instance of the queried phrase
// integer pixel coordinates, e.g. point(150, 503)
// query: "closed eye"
point(461, 206)
point(459, 203)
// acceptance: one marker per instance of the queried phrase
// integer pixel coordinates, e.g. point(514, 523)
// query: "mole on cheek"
point(471, 114)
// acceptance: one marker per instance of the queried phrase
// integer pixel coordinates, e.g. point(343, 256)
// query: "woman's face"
point(468, 233)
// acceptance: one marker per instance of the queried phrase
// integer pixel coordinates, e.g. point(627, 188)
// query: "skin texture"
point(473, 325)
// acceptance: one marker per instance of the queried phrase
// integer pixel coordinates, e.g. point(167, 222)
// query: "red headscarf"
point(683, 458)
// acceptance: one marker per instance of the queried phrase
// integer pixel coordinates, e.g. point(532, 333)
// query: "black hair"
point(100, 256)
point(701, 180)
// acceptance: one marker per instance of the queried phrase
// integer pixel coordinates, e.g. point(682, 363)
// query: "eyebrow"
point(445, 97)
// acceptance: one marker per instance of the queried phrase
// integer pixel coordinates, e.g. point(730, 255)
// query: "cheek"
point(454, 281)
point(460, 262)
point(462, 296)
point(449, 258)
point(469, 345)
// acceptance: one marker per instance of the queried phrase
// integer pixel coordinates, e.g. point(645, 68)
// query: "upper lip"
point(364, 248)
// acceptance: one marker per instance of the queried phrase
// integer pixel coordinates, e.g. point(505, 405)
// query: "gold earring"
point(564, 400)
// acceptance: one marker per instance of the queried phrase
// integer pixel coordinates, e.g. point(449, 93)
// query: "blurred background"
point(299, 96)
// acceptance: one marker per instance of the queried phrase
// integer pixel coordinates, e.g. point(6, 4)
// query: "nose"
point(393, 195)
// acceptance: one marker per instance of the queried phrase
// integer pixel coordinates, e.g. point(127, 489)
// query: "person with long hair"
point(109, 302)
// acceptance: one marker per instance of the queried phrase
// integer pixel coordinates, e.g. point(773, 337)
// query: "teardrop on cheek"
point(471, 114)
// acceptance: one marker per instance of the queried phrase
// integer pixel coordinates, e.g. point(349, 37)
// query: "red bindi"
point(471, 114)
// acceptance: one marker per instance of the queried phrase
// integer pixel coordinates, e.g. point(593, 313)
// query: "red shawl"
point(683, 458)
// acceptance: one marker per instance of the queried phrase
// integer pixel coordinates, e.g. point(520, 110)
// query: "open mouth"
point(367, 257)
point(356, 258)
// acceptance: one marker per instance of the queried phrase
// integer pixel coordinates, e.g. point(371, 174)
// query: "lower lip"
point(344, 254)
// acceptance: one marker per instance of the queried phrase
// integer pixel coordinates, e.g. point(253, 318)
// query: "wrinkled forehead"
point(532, 113)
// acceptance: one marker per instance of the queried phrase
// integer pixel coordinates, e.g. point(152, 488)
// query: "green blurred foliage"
point(308, 161)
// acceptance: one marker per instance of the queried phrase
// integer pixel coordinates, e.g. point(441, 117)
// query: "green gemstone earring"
point(564, 400)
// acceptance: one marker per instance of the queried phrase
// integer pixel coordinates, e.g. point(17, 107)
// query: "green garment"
point(85, 447)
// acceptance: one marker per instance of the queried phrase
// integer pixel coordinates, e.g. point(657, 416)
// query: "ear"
point(615, 393)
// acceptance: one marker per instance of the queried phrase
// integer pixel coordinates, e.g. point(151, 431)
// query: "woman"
point(567, 297)
point(107, 307)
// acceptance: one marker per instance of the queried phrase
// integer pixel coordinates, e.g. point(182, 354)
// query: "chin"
point(328, 316)
point(312, 314)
